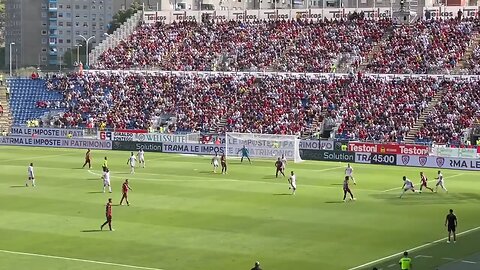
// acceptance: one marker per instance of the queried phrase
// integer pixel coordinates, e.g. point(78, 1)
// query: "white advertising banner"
point(193, 148)
point(151, 17)
point(439, 162)
point(158, 137)
point(56, 142)
point(46, 132)
point(317, 144)
point(455, 152)
point(449, 12)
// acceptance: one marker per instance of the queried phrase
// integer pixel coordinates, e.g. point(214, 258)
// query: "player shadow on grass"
point(17, 186)
point(91, 231)
point(281, 194)
point(205, 172)
point(334, 202)
point(95, 192)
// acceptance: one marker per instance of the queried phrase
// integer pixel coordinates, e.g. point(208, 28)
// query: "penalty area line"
point(77, 260)
point(410, 250)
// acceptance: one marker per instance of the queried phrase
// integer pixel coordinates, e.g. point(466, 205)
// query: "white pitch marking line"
point(399, 188)
point(215, 180)
point(423, 256)
point(77, 260)
point(391, 265)
point(412, 249)
point(468, 262)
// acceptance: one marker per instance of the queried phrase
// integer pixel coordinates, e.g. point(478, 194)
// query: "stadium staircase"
point(112, 41)
point(462, 64)
point(6, 118)
point(410, 138)
point(375, 50)
point(24, 94)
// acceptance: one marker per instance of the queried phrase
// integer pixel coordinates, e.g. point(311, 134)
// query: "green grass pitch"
point(184, 217)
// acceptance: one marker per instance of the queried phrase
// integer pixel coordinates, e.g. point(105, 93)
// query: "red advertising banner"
point(399, 149)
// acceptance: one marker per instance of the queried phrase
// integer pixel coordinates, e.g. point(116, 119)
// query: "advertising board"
point(439, 162)
point(135, 146)
point(404, 149)
point(324, 155)
point(193, 148)
point(46, 132)
point(56, 142)
point(151, 17)
point(316, 144)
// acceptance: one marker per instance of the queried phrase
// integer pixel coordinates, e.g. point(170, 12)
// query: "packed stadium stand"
point(361, 105)
point(457, 110)
point(293, 46)
point(366, 107)
point(424, 47)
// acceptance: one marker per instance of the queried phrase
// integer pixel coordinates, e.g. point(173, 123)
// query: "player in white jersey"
point(284, 163)
point(292, 180)
point(141, 158)
point(132, 160)
point(106, 181)
point(215, 163)
point(407, 185)
point(440, 182)
point(349, 173)
point(31, 175)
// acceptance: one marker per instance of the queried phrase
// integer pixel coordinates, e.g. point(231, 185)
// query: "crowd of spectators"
point(198, 103)
point(383, 110)
point(293, 46)
point(425, 47)
point(369, 107)
point(457, 110)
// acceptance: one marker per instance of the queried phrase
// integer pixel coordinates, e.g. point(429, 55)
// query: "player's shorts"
point(109, 218)
point(294, 186)
point(423, 185)
point(451, 228)
point(31, 176)
point(132, 165)
point(346, 189)
point(224, 164)
point(141, 160)
point(439, 183)
point(106, 183)
point(215, 163)
point(409, 188)
point(348, 174)
point(87, 160)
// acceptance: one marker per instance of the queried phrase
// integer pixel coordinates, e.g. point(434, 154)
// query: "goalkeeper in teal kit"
point(244, 151)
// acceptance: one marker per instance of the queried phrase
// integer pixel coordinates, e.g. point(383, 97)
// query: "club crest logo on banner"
point(440, 161)
point(422, 160)
point(405, 159)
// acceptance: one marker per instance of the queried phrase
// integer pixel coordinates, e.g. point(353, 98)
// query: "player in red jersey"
point(279, 166)
point(346, 189)
point(223, 162)
point(125, 189)
point(87, 159)
point(108, 214)
point(423, 182)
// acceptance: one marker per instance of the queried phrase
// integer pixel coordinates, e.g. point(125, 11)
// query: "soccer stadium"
point(249, 134)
